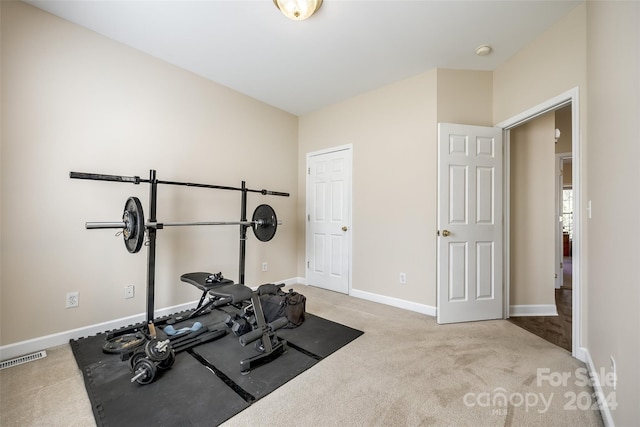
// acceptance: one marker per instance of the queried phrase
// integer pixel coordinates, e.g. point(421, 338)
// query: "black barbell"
point(264, 224)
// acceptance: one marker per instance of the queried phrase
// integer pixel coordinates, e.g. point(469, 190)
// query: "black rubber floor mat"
point(204, 387)
point(319, 336)
point(225, 355)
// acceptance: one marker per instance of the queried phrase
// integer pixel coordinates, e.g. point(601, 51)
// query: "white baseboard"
point(14, 350)
point(11, 351)
point(603, 404)
point(382, 299)
point(533, 310)
point(395, 302)
point(293, 281)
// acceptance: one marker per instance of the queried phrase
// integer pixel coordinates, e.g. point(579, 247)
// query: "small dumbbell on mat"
point(156, 355)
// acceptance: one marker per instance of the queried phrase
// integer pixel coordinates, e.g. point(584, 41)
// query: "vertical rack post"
point(243, 233)
point(151, 250)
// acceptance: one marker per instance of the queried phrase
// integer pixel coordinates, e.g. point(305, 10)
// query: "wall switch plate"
point(72, 299)
point(264, 266)
point(129, 291)
point(403, 278)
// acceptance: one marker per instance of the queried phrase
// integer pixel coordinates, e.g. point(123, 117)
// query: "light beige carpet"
point(404, 371)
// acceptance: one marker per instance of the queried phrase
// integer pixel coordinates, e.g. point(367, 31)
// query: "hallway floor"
point(555, 329)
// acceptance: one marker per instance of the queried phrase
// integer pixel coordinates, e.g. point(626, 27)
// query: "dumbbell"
point(156, 355)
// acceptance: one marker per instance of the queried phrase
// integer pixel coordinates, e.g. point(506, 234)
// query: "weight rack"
point(153, 198)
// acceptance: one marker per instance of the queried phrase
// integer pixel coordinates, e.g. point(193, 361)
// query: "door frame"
point(569, 97)
point(346, 147)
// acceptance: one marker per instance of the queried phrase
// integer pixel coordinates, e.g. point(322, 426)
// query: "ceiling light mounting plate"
point(298, 10)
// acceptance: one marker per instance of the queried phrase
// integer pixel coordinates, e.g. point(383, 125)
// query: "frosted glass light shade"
point(298, 9)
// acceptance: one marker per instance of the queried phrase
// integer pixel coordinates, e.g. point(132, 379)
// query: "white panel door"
point(469, 223)
point(328, 219)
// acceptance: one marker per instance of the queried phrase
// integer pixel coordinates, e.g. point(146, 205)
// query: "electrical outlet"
point(264, 266)
point(72, 299)
point(129, 291)
point(403, 278)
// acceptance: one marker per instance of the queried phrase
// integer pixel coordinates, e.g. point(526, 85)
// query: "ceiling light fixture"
point(483, 50)
point(298, 9)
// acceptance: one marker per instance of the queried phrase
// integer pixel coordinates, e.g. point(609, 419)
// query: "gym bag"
point(276, 304)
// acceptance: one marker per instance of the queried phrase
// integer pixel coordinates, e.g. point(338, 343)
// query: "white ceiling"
point(348, 47)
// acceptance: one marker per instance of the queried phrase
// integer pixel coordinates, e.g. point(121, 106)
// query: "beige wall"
point(613, 254)
point(393, 132)
point(550, 65)
point(74, 100)
point(394, 135)
point(532, 154)
point(465, 97)
point(564, 144)
point(563, 123)
point(567, 171)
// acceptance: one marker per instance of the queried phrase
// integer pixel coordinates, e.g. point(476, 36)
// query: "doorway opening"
point(542, 227)
point(570, 100)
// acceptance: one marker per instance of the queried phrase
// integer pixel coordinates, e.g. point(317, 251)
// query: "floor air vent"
point(22, 359)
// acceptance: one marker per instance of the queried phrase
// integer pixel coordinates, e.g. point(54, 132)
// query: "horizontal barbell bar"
point(121, 224)
point(138, 180)
point(264, 224)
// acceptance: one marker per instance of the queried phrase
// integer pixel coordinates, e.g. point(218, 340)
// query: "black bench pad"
point(225, 288)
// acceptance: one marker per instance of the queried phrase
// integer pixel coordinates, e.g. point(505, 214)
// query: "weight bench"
point(202, 281)
point(225, 292)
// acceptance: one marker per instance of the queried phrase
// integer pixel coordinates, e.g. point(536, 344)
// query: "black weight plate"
point(133, 234)
point(148, 367)
point(151, 349)
point(168, 362)
point(135, 358)
point(122, 343)
point(269, 223)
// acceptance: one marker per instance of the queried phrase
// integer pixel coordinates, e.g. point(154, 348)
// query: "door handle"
point(344, 228)
point(446, 233)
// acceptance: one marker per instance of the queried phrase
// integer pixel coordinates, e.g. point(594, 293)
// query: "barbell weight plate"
point(265, 223)
point(137, 355)
point(152, 351)
point(149, 369)
point(133, 217)
point(168, 362)
point(122, 343)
